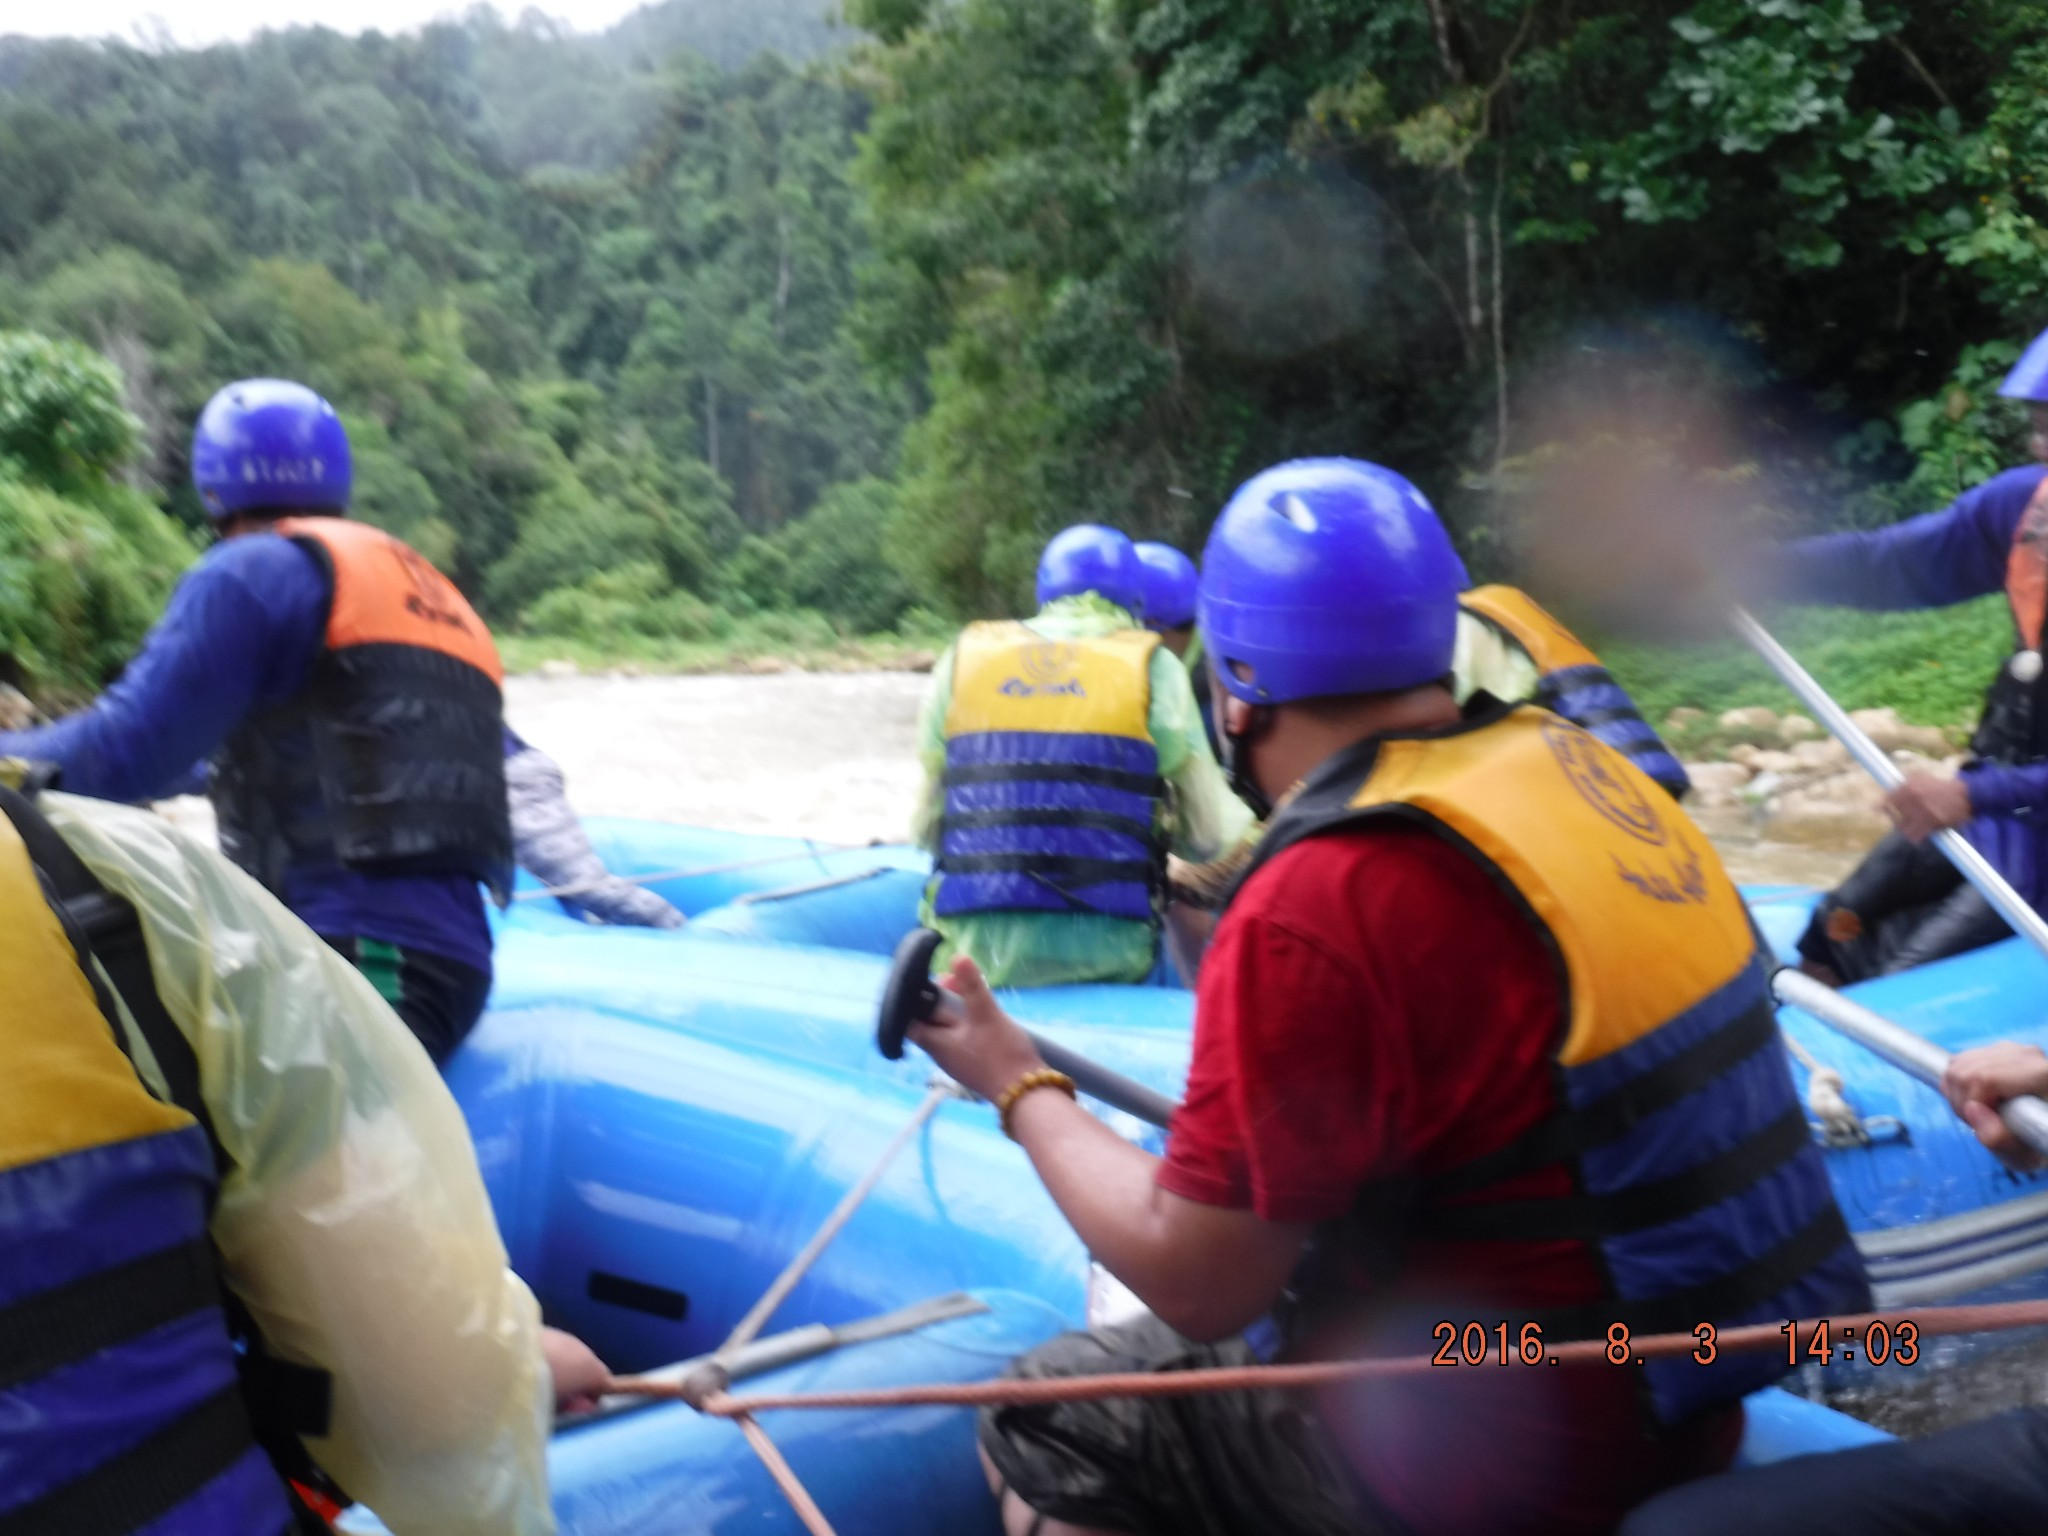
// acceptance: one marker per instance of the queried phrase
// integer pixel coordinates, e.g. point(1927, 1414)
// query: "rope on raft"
point(1931, 1322)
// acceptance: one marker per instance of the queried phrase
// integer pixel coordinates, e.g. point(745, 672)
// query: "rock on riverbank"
point(1792, 783)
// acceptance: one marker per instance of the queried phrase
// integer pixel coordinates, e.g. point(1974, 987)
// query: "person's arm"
point(242, 628)
point(549, 842)
point(1978, 1081)
point(1208, 1271)
point(353, 1221)
point(1209, 820)
point(931, 755)
point(1928, 561)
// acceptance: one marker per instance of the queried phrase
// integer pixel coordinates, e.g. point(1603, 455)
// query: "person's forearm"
point(1106, 1189)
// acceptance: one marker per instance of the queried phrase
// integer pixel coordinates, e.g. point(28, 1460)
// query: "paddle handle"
point(1969, 863)
point(2026, 1116)
point(1092, 1078)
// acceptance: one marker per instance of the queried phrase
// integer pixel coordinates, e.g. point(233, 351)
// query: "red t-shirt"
point(1375, 1005)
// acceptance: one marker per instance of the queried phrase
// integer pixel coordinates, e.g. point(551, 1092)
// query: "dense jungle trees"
point(629, 337)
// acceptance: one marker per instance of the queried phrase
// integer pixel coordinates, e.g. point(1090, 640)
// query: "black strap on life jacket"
point(132, 1489)
point(283, 1400)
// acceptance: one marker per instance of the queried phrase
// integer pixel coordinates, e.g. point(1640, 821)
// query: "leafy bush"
point(635, 601)
point(85, 563)
point(80, 582)
point(62, 424)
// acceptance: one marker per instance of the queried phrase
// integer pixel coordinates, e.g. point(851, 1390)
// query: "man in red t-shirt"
point(1385, 1028)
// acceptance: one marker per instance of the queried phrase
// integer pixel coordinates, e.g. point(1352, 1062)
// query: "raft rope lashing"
point(779, 1289)
point(1930, 1322)
point(1835, 1120)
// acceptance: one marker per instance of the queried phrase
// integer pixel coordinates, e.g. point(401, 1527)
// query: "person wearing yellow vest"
point(1064, 758)
point(1484, 1037)
point(1905, 904)
point(229, 1273)
point(348, 698)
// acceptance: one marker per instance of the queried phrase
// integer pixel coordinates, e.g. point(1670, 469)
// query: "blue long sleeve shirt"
point(1931, 561)
point(240, 635)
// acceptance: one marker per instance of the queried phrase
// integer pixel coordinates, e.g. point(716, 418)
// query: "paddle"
point(1969, 863)
point(911, 997)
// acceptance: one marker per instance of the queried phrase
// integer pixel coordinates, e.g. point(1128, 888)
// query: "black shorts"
point(1208, 1464)
point(439, 999)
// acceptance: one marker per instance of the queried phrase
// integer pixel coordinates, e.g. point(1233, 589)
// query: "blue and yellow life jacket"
point(121, 1407)
point(1573, 682)
point(1052, 780)
point(1697, 1180)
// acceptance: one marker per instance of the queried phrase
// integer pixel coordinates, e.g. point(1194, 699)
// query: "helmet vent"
point(1297, 512)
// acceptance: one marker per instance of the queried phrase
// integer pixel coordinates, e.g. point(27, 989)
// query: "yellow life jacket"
point(1052, 782)
point(1574, 683)
point(1699, 1183)
point(114, 1347)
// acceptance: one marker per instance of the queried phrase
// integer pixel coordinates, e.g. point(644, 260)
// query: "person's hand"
point(579, 1376)
point(1978, 1081)
point(1923, 806)
point(987, 1050)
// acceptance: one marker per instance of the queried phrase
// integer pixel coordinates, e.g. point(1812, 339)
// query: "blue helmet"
point(1168, 581)
point(1329, 576)
point(1091, 558)
point(269, 444)
point(2029, 377)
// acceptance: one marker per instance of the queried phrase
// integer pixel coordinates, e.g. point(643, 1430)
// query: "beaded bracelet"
point(1043, 1077)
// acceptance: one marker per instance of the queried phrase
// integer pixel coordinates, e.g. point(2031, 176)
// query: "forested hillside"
point(638, 332)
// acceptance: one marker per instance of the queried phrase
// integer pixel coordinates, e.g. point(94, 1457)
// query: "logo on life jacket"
point(1591, 772)
point(1050, 672)
point(426, 600)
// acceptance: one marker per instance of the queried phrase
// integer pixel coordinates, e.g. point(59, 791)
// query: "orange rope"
point(1932, 1322)
point(786, 1479)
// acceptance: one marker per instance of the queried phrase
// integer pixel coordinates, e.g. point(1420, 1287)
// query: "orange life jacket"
point(393, 758)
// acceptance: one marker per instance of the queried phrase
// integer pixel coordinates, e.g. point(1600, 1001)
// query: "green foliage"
point(580, 301)
point(62, 424)
point(1931, 667)
point(85, 562)
point(628, 602)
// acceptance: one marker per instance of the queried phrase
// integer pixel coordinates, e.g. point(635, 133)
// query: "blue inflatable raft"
point(663, 1119)
point(1938, 1219)
point(653, 1168)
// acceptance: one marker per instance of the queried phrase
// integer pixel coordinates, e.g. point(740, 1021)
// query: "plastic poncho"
point(354, 1223)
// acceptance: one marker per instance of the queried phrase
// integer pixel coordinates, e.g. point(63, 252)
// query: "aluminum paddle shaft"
point(1969, 863)
point(2026, 1117)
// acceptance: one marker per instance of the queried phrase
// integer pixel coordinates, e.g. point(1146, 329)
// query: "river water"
point(832, 755)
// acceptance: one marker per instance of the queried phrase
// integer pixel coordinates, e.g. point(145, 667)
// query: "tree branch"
point(1920, 69)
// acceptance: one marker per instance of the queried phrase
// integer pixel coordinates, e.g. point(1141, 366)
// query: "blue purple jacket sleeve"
point(1928, 561)
point(241, 631)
